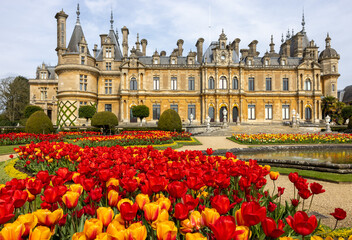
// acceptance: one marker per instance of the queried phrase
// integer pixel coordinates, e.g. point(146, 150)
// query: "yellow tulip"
point(209, 216)
point(29, 221)
point(75, 176)
point(166, 230)
point(31, 197)
point(78, 188)
point(163, 216)
point(112, 182)
point(246, 234)
point(193, 223)
point(2, 186)
point(12, 231)
point(40, 233)
point(119, 218)
point(48, 218)
point(79, 236)
point(92, 228)
point(122, 201)
point(151, 211)
point(115, 228)
point(104, 236)
point(316, 238)
point(287, 238)
point(113, 198)
point(274, 175)
point(195, 236)
point(70, 199)
point(137, 231)
point(267, 167)
point(164, 203)
point(239, 219)
point(105, 214)
point(141, 200)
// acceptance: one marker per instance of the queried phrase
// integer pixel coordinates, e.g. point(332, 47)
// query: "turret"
point(61, 33)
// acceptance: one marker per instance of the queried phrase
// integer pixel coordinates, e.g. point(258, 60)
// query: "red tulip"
point(64, 173)
point(316, 188)
point(129, 184)
point(96, 194)
point(194, 183)
point(280, 191)
point(209, 151)
point(6, 212)
point(157, 183)
point(293, 177)
point(177, 189)
point(128, 211)
point(44, 177)
point(34, 186)
point(304, 193)
point(301, 224)
point(339, 214)
point(225, 228)
point(51, 195)
point(271, 229)
point(222, 204)
point(181, 211)
point(19, 198)
point(88, 184)
point(271, 207)
point(252, 213)
point(190, 202)
point(294, 202)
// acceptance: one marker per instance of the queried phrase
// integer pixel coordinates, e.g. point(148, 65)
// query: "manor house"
point(252, 88)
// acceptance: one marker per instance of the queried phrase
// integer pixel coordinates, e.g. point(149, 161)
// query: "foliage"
point(349, 123)
point(39, 122)
point(140, 111)
point(346, 112)
point(14, 97)
point(4, 121)
point(170, 121)
point(332, 107)
point(106, 120)
point(30, 109)
point(86, 111)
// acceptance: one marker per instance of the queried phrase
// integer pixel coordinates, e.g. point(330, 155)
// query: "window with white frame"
point(173, 83)
point(211, 83)
point(268, 111)
point(43, 93)
point(192, 110)
point(285, 112)
point(251, 112)
point(108, 107)
point(156, 83)
point(133, 84)
point(235, 83)
point(108, 86)
point(108, 52)
point(191, 83)
point(223, 83)
point(83, 82)
point(285, 84)
point(156, 111)
point(268, 84)
point(174, 107)
point(251, 84)
point(308, 85)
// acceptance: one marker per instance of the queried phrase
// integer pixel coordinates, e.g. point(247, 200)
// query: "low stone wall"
point(305, 165)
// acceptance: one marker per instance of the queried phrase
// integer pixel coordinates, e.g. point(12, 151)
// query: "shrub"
point(170, 121)
point(30, 109)
point(86, 112)
point(39, 122)
point(140, 111)
point(105, 120)
point(349, 126)
point(346, 112)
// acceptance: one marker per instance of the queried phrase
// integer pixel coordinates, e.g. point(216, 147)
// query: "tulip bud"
point(141, 200)
point(274, 175)
point(70, 199)
point(113, 197)
point(40, 233)
point(79, 236)
point(105, 215)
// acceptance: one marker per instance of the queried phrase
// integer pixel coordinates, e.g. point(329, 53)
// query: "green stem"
point(273, 189)
point(311, 201)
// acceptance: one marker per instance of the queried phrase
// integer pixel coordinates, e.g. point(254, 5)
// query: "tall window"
point(251, 112)
point(268, 111)
point(43, 93)
point(156, 111)
point(268, 84)
point(235, 83)
point(174, 107)
point(307, 85)
point(250, 84)
point(83, 82)
point(285, 84)
point(191, 110)
point(133, 84)
point(285, 112)
point(108, 107)
point(156, 83)
point(43, 75)
point(108, 66)
point(82, 49)
point(108, 86)
point(191, 83)
point(83, 59)
point(62, 34)
point(333, 87)
point(173, 83)
point(308, 113)
point(211, 83)
point(223, 83)
point(108, 52)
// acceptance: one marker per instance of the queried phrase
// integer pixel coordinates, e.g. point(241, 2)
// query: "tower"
point(61, 34)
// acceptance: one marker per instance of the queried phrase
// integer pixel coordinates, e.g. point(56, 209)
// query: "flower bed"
point(264, 138)
point(139, 193)
point(129, 138)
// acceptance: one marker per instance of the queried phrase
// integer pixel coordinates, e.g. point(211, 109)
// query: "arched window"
point(223, 83)
point(211, 83)
point(308, 85)
point(235, 83)
point(133, 84)
point(308, 113)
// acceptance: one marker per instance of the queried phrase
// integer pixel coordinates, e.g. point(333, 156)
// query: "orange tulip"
point(163, 216)
point(79, 236)
point(209, 216)
point(137, 231)
point(122, 201)
point(166, 231)
point(48, 218)
point(193, 223)
point(151, 211)
point(12, 231)
point(31, 197)
point(119, 218)
point(105, 215)
point(141, 200)
point(274, 175)
point(195, 236)
point(92, 228)
point(115, 227)
point(78, 188)
point(239, 219)
point(113, 198)
point(40, 233)
point(164, 203)
point(104, 236)
point(70, 199)
point(29, 221)
point(246, 234)
point(112, 182)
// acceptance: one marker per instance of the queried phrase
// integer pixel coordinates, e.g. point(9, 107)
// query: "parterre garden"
point(88, 186)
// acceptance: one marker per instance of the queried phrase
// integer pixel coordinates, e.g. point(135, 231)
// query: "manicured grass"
point(8, 149)
point(325, 176)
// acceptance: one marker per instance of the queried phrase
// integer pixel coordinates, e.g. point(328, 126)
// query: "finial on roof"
point(137, 37)
point(112, 21)
point(327, 35)
point(222, 31)
point(78, 13)
point(272, 45)
point(293, 33)
point(282, 38)
point(303, 22)
point(272, 39)
point(288, 34)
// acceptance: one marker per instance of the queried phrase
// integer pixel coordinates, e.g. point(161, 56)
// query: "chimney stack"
point(179, 45)
point(144, 43)
point(125, 33)
point(199, 46)
point(253, 48)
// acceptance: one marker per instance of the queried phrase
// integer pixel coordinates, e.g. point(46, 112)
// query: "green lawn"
point(8, 149)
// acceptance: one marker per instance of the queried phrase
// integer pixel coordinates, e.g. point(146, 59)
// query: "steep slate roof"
point(115, 40)
point(51, 70)
point(75, 39)
point(209, 53)
point(164, 60)
point(347, 94)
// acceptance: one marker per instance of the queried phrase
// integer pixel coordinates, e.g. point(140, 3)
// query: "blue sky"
point(29, 28)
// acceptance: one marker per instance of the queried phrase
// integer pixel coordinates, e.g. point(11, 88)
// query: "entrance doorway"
point(222, 114)
point(211, 114)
point(132, 118)
point(234, 114)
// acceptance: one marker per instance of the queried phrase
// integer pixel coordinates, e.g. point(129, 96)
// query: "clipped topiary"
point(30, 109)
point(140, 111)
point(86, 112)
point(349, 126)
point(170, 121)
point(39, 122)
point(105, 120)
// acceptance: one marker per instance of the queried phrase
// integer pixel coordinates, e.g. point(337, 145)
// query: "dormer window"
point(83, 60)
point(283, 62)
point(82, 49)
point(155, 61)
point(266, 62)
point(108, 52)
point(249, 62)
point(43, 75)
point(173, 61)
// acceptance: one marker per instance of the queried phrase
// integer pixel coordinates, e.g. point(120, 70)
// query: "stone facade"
point(252, 88)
